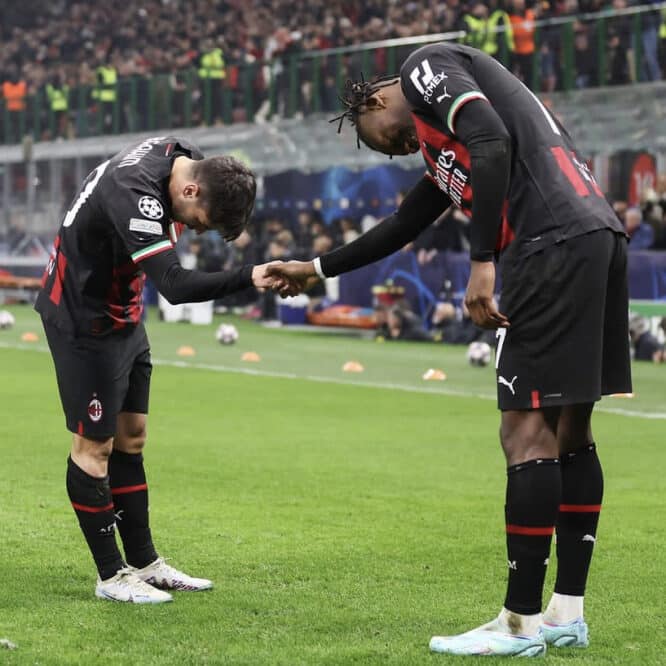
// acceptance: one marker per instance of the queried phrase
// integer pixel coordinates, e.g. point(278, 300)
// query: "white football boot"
point(162, 575)
point(492, 639)
point(127, 586)
point(572, 634)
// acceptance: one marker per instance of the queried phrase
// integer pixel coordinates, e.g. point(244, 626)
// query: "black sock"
point(130, 499)
point(582, 491)
point(532, 500)
point(91, 499)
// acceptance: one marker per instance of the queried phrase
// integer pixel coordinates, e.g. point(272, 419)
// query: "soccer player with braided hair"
point(492, 149)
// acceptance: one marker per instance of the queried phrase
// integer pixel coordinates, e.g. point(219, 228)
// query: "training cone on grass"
point(29, 336)
point(434, 375)
point(251, 357)
point(186, 350)
point(352, 366)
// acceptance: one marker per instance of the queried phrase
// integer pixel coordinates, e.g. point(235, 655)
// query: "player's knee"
point(130, 433)
point(574, 430)
point(91, 455)
point(132, 440)
point(526, 436)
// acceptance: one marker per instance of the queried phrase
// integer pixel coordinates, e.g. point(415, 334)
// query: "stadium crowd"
point(143, 53)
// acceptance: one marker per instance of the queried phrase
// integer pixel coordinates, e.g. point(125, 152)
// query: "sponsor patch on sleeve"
point(145, 226)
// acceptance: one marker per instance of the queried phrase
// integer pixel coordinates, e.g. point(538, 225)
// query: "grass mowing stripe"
point(342, 382)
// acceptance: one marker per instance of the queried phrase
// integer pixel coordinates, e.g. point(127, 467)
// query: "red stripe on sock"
point(580, 508)
point(92, 509)
point(124, 490)
point(530, 531)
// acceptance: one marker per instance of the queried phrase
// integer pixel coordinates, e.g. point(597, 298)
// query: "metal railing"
point(305, 82)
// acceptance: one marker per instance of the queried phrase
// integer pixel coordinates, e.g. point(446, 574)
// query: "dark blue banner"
point(337, 192)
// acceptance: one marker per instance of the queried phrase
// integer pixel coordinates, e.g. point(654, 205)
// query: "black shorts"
point(100, 377)
point(568, 342)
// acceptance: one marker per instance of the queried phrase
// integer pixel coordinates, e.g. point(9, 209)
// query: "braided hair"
point(355, 96)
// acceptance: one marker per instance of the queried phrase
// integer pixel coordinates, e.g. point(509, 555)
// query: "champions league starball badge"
point(151, 208)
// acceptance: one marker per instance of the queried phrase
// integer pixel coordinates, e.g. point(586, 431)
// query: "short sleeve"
point(435, 80)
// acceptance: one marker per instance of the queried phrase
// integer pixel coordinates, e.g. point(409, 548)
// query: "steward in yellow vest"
point(107, 78)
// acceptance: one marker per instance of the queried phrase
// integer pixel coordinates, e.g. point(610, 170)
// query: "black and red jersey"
point(552, 195)
point(93, 281)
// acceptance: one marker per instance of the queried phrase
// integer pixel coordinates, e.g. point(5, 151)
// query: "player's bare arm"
point(479, 296)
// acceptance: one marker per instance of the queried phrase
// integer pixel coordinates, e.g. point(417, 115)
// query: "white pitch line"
point(344, 382)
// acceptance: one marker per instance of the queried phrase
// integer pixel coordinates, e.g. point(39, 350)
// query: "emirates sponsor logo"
point(451, 180)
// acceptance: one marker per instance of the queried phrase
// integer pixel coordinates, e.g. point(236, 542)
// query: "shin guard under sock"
point(130, 498)
point(91, 499)
point(576, 528)
point(532, 501)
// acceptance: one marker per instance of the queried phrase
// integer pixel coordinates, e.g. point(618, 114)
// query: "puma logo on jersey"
point(588, 537)
point(442, 97)
point(508, 384)
point(513, 564)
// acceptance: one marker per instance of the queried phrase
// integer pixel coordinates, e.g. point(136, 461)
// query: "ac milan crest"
point(95, 410)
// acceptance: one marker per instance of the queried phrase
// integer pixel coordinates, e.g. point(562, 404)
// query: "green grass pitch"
point(344, 518)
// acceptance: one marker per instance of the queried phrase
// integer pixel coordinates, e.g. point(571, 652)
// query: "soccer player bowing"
point(492, 149)
point(122, 226)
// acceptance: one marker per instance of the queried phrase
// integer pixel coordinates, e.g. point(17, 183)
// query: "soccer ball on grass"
point(479, 353)
point(6, 319)
point(226, 334)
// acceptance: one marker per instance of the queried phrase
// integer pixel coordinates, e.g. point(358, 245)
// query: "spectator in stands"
point(641, 234)
point(523, 27)
point(475, 23)
point(303, 233)
point(14, 93)
point(105, 93)
point(400, 323)
point(662, 39)
point(621, 53)
point(195, 52)
point(585, 61)
point(348, 230)
point(241, 252)
point(279, 247)
point(449, 232)
point(212, 73)
point(323, 242)
point(453, 325)
point(650, 25)
point(57, 98)
point(654, 211)
point(202, 255)
point(549, 47)
point(269, 229)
